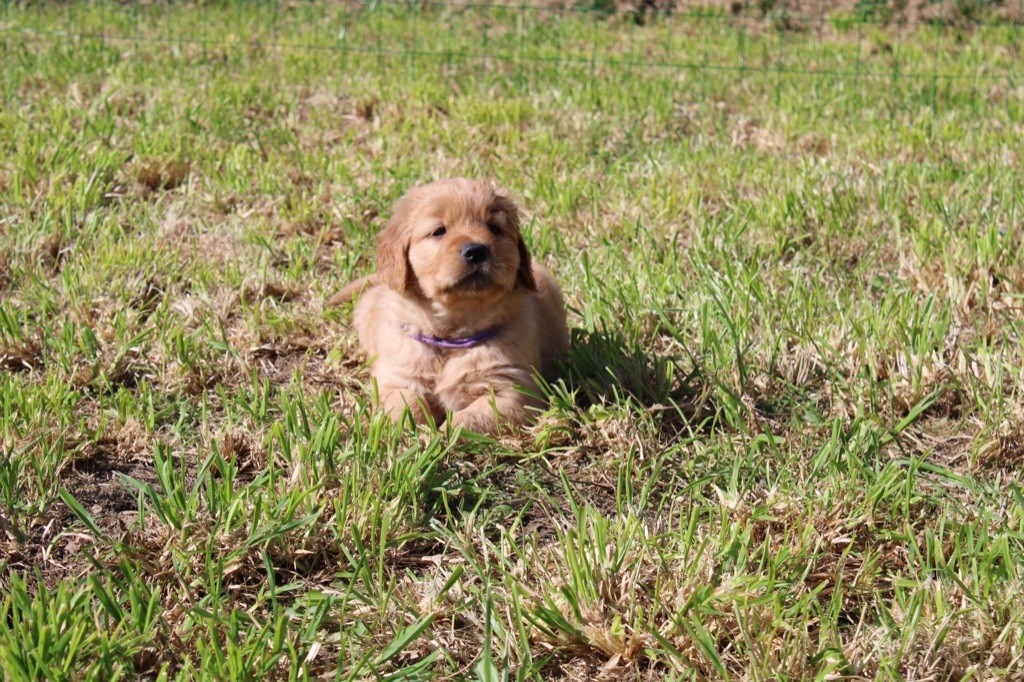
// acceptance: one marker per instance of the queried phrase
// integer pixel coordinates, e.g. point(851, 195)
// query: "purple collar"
point(455, 344)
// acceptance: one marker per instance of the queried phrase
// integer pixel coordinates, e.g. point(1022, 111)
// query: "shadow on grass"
point(603, 367)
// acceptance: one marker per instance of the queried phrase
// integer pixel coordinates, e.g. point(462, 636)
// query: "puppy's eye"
point(439, 232)
point(493, 227)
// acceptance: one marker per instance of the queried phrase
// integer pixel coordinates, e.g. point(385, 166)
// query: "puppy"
point(457, 318)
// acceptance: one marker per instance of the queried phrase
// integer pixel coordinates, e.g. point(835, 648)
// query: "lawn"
point(786, 442)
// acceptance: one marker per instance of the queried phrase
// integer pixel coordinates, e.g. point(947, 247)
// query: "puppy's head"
point(454, 240)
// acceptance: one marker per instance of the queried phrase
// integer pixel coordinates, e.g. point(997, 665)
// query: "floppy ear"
point(524, 275)
point(393, 253)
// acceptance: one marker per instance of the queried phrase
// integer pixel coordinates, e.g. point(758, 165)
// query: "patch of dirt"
point(279, 361)
point(748, 133)
point(154, 290)
point(594, 667)
point(5, 268)
point(22, 357)
point(52, 253)
point(55, 543)
point(244, 451)
point(253, 294)
point(155, 176)
point(93, 480)
point(1004, 453)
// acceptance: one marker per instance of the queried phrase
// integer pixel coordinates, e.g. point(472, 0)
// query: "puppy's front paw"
point(476, 419)
point(503, 412)
point(423, 411)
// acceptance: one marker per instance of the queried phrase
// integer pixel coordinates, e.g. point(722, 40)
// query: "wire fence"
point(888, 55)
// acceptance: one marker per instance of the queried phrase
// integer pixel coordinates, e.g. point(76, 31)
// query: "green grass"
point(787, 439)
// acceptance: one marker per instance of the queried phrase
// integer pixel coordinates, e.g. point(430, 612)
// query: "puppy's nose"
point(475, 253)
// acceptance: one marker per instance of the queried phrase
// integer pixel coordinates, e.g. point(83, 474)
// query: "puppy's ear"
point(524, 275)
point(393, 253)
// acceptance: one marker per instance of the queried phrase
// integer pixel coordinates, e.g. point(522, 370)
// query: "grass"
point(786, 442)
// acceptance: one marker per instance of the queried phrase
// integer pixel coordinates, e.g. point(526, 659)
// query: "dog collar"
point(455, 344)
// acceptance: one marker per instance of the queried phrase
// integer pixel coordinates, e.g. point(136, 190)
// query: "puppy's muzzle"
point(475, 254)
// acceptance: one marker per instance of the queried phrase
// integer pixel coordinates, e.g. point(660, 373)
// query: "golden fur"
point(428, 284)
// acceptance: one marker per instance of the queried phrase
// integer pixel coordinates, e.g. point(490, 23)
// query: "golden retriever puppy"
point(457, 318)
